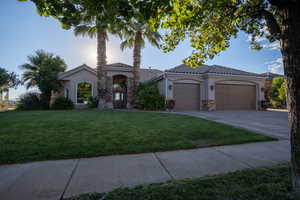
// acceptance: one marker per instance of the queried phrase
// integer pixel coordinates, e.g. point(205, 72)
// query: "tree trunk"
point(137, 59)
point(290, 48)
point(1, 96)
point(45, 98)
point(101, 63)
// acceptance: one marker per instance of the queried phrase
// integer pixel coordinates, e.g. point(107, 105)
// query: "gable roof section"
point(213, 69)
point(119, 65)
point(63, 75)
point(113, 66)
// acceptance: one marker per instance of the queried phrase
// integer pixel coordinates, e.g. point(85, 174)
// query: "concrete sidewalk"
point(65, 178)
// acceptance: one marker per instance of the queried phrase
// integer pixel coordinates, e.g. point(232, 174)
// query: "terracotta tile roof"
point(270, 75)
point(213, 69)
point(185, 69)
point(149, 74)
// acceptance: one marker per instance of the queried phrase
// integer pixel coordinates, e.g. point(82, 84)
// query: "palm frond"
point(86, 30)
point(31, 83)
point(154, 38)
point(127, 44)
point(28, 66)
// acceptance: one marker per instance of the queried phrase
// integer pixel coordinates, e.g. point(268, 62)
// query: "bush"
point(93, 102)
point(277, 93)
point(30, 101)
point(62, 103)
point(148, 97)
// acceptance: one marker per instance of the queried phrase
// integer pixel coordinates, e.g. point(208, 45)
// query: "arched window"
point(84, 91)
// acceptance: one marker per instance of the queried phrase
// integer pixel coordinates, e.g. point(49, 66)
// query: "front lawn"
point(43, 135)
point(272, 183)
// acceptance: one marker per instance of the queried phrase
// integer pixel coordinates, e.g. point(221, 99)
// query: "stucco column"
point(1, 95)
point(130, 93)
point(209, 104)
point(109, 97)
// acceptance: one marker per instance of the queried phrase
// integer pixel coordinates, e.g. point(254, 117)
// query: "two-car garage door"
point(235, 97)
point(227, 96)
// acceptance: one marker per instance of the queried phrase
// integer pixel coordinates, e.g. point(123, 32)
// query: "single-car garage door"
point(235, 97)
point(187, 96)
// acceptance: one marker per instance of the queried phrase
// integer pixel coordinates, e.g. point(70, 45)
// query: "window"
point(84, 91)
point(119, 96)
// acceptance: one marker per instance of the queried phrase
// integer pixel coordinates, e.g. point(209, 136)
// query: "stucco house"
point(204, 88)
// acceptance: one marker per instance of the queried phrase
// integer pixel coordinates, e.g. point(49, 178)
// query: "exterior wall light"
point(211, 87)
point(262, 89)
point(170, 87)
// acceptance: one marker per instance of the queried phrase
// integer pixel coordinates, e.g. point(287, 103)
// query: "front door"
point(119, 99)
point(119, 91)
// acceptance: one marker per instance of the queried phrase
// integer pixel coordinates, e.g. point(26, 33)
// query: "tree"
point(93, 26)
point(134, 35)
point(7, 80)
point(277, 92)
point(210, 24)
point(42, 72)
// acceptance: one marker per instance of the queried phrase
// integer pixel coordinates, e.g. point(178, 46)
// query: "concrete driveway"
point(273, 123)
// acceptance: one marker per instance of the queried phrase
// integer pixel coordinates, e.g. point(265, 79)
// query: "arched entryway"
point(119, 91)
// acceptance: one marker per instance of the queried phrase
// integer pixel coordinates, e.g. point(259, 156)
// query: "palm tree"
point(92, 26)
point(7, 80)
point(42, 72)
point(134, 36)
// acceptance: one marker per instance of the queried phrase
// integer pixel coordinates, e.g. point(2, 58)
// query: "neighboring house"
point(203, 88)
point(4, 94)
point(268, 84)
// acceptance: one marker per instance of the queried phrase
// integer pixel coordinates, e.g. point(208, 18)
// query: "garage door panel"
point(187, 96)
point(235, 97)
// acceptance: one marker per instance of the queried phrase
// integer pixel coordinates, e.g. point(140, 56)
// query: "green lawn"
point(272, 183)
point(43, 135)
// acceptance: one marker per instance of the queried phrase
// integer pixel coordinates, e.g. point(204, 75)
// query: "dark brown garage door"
point(235, 97)
point(187, 96)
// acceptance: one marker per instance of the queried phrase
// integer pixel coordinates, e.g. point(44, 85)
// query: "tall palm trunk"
point(290, 48)
point(101, 63)
point(45, 98)
point(137, 58)
point(1, 96)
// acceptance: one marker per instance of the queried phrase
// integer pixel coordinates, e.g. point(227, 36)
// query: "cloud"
point(275, 66)
point(257, 38)
point(264, 42)
point(272, 46)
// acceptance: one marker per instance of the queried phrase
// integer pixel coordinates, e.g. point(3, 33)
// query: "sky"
point(23, 32)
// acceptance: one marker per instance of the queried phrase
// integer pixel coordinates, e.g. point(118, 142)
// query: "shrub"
point(62, 103)
point(277, 93)
point(93, 102)
point(30, 101)
point(148, 97)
